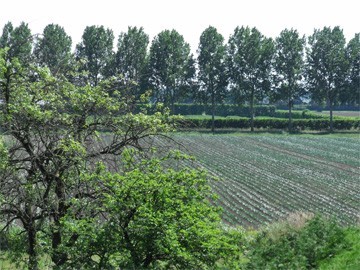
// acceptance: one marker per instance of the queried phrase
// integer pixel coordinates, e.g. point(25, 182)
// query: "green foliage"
point(170, 68)
point(271, 123)
point(212, 69)
point(6, 35)
point(211, 66)
point(326, 66)
point(352, 94)
point(347, 259)
point(223, 110)
point(131, 59)
point(96, 51)
point(53, 135)
point(297, 248)
point(15, 245)
point(18, 40)
point(156, 217)
point(53, 48)
point(305, 114)
point(288, 66)
point(249, 60)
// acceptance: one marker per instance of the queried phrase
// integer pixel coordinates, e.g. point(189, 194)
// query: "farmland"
point(263, 178)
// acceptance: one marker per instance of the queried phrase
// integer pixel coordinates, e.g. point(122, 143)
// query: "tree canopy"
point(168, 68)
point(289, 56)
point(53, 48)
point(169, 71)
point(18, 40)
point(79, 173)
point(250, 56)
point(212, 69)
point(327, 66)
point(96, 51)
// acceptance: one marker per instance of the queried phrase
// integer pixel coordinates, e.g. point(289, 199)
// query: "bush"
point(223, 110)
point(292, 248)
point(306, 114)
point(270, 123)
point(319, 240)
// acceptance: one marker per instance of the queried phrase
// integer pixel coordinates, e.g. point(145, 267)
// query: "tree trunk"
point(331, 115)
point(148, 260)
point(29, 225)
point(59, 258)
point(290, 115)
point(33, 260)
point(213, 114)
point(172, 102)
point(252, 112)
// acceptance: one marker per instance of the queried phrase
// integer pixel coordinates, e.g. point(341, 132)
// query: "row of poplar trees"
point(248, 69)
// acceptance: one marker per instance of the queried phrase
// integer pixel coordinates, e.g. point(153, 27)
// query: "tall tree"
point(250, 56)
point(53, 128)
point(84, 194)
point(289, 64)
point(18, 40)
point(53, 48)
point(168, 67)
point(353, 76)
point(96, 49)
point(326, 66)
point(212, 69)
point(131, 59)
point(131, 53)
point(6, 35)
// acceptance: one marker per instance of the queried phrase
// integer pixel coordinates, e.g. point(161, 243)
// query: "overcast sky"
point(188, 17)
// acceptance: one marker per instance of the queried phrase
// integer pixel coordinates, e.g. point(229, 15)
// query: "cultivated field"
point(341, 113)
point(263, 178)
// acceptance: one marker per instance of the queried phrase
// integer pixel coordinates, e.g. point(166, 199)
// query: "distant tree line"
point(249, 69)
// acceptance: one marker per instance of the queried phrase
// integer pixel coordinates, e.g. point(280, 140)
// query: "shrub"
point(320, 239)
point(306, 114)
point(223, 110)
point(287, 247)
point(270, 123)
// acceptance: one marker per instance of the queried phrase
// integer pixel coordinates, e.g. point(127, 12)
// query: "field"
point(342, 113)
point(263, 178)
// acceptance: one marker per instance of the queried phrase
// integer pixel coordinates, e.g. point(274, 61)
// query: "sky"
point(189, 17)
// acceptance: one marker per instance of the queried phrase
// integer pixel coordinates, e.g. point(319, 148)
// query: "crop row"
point(264, 178)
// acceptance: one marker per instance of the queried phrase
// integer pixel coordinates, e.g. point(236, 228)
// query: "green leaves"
point(249, 59)
point(131, 56)
point(211, 62)
point(326, 63)
point(96, 49)
point(53, 48)
point(18, 40)
point(155, 215)
point(56, 131)
point(352, 94)
point(326, 66)
point(289, 64)
point(286, 247)
point(169, 67)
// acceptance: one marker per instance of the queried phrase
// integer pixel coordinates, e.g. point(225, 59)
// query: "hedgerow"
point(270, 123)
